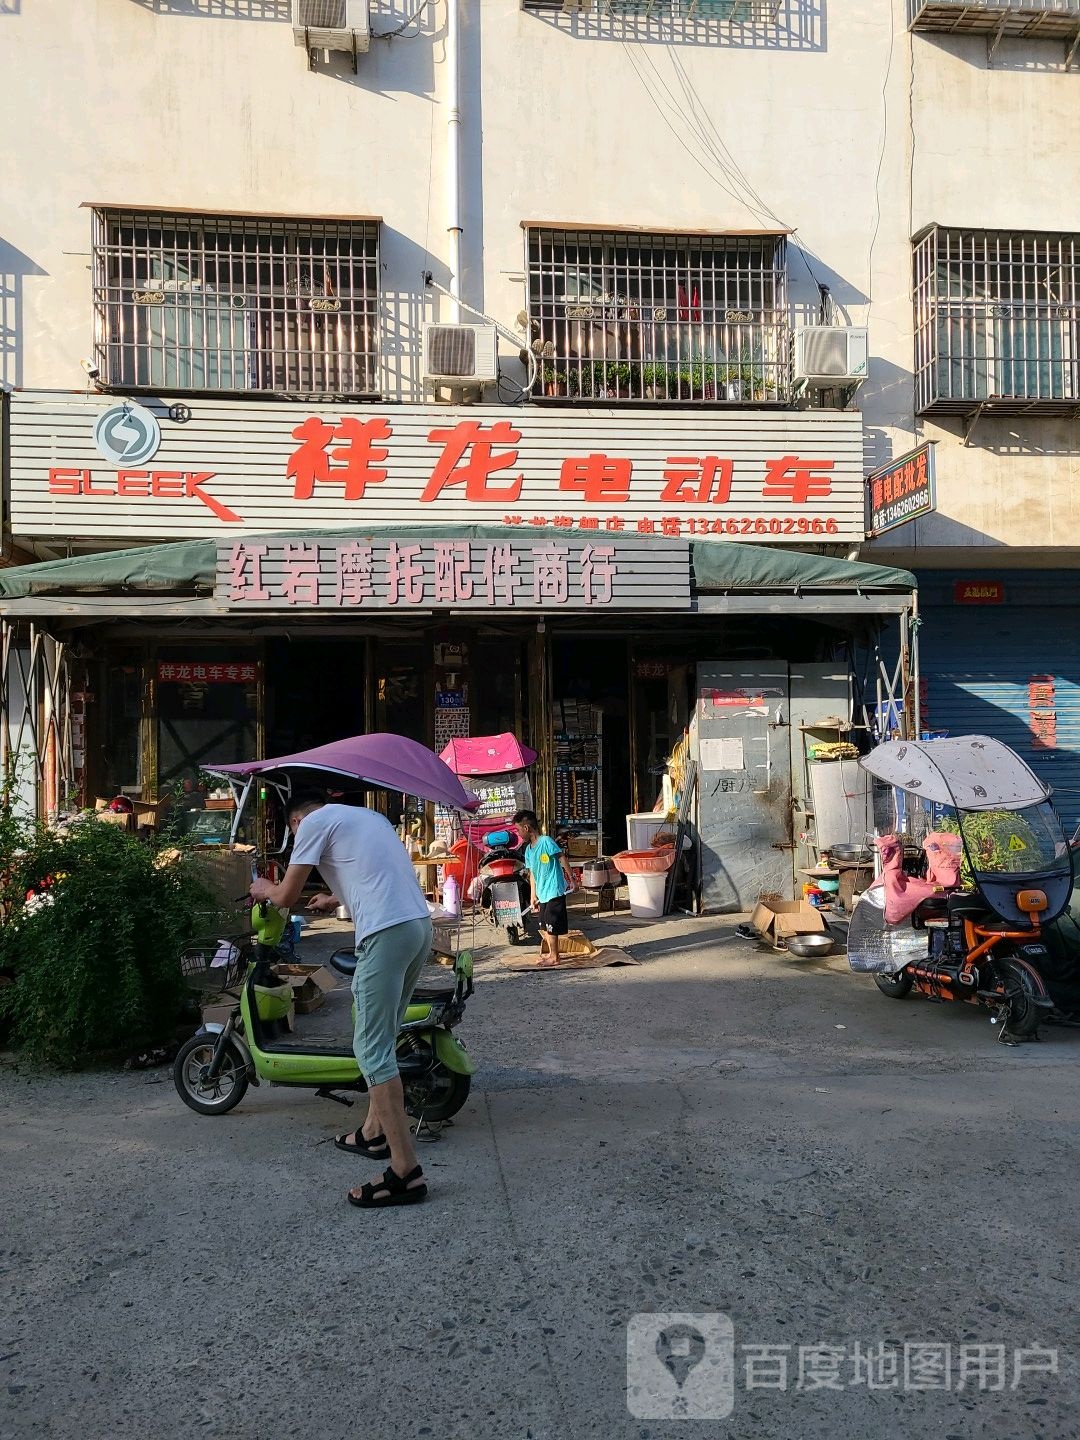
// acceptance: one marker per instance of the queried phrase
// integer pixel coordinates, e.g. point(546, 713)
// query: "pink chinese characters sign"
point(330, 573)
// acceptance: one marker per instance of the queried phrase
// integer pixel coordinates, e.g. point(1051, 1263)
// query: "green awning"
point(187, 567)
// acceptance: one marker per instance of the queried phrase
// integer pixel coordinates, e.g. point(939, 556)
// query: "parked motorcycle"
point(502, 883)
point(213, 1069)
point(999, 869)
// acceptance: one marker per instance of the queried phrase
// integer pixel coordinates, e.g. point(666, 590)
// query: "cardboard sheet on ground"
point(575, 953)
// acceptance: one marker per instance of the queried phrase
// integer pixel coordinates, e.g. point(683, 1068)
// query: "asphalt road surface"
point(832, 1215)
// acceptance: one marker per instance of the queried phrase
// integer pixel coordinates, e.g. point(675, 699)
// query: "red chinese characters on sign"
point(479, 459)
point(790, 478)
point(1042, 712)
point(469, 458)
point(598, 479)
point(693, 481)
point(206, 673)
point(357, 463)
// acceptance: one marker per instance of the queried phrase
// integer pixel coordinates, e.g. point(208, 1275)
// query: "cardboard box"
point(226, 873)
point(775, 920)
point(309, 985)
point(218, 1011)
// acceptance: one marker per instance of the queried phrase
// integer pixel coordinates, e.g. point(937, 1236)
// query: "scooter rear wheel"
point(895, 986)
point(437, 1095)
point(209, 1097)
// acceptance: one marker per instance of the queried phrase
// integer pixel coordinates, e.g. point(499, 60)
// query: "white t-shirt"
point(360, 857)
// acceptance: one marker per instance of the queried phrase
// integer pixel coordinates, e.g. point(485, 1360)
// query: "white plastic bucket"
point(647, 895)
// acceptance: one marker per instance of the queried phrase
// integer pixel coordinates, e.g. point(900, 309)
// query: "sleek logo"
point(127, 434)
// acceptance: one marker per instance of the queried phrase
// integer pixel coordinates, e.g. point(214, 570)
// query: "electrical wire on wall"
point(409, 20)
point(724, 170)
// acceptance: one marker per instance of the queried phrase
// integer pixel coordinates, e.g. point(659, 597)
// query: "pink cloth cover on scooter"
point(943, 855)
point(903, 893)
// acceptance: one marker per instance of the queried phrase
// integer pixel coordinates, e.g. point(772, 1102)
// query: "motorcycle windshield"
point(1013, 850)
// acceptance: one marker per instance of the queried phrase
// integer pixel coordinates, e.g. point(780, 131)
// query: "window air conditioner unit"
point(332, 25)
point(460, 354)
point(830, 355)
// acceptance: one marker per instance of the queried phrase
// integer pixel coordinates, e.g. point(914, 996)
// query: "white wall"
point(206, 103)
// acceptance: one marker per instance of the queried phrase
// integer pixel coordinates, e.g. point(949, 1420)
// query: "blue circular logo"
point(127, 434)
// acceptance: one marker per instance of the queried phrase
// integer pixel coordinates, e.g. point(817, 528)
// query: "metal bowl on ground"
point(810, 947)
point(851, 854)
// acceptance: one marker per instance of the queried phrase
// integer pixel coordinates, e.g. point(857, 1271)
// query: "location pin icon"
point(679, 1349)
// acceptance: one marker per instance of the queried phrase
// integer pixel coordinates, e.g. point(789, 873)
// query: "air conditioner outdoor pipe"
point(453, 157)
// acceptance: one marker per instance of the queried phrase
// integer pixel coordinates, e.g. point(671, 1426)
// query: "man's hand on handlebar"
point(261, 889)
point(323, 904)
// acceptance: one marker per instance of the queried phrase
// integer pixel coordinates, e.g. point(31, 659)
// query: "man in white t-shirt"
point(359, 855)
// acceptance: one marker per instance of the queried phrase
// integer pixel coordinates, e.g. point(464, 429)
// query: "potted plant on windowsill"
point(553, 381)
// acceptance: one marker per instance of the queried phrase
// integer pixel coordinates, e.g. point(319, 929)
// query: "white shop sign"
point(780, 476)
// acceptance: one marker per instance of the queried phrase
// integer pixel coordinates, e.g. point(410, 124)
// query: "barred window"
point(616, 315)
point(996, 320)
point(236, 304)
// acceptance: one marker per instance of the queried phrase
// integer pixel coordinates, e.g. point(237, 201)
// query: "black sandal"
point(374, 1149)
point(392, 1189)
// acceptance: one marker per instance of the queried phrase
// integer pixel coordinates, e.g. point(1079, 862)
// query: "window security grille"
point(1034, 18)
point(997, 321)
point(735, 12)
point(235, 304)
point(620, 316)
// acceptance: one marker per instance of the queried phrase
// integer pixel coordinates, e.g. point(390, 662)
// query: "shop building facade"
point(682, 339)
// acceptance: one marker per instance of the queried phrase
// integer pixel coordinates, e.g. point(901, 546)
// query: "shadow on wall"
point(800, 25)
point(10, 7)
point(1013, 52)
point(272, 10)
point(403, 311)
point(998, 435)
point(14, 268)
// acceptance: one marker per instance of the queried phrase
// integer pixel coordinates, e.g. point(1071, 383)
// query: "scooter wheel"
point(895, 986)
point(209, 1097)
point(439, 1095)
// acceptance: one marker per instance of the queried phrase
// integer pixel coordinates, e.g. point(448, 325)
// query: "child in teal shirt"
point(550, 880)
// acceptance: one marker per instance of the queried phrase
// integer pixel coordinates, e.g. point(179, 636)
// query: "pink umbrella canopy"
point(488, 755)
point(388, 762)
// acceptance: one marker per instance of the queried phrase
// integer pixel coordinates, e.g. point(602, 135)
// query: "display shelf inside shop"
point(577, 760)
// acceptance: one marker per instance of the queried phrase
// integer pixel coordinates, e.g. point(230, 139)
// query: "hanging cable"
point(409, 20)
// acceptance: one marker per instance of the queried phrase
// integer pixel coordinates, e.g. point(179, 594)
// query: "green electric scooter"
point(214, 1068)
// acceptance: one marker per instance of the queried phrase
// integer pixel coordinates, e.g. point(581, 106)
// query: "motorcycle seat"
point(428, 994)
point(968, 906)
point(934, 907)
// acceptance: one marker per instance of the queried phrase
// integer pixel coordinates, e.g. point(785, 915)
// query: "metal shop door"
point(745, 784)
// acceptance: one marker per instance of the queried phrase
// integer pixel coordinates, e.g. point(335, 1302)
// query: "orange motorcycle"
point(999, 868)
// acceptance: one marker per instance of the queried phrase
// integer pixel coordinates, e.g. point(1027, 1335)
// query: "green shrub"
point(95, 949)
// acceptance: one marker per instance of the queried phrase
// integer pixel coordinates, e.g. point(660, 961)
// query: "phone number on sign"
point(758, 525)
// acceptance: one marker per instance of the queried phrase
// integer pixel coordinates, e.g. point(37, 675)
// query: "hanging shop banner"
point(321, 573)
point(764, 476)
point(901, 491)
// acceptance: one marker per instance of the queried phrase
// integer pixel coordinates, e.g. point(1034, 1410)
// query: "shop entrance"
point(590, 742)
point(314, 692)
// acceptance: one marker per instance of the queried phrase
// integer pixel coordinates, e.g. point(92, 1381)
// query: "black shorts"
point(553, 916)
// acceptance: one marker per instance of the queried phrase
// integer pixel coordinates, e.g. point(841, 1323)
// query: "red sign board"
point(205, 672)
point(979, 592)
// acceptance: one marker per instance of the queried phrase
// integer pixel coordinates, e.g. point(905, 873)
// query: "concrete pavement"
point(718, 1130)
